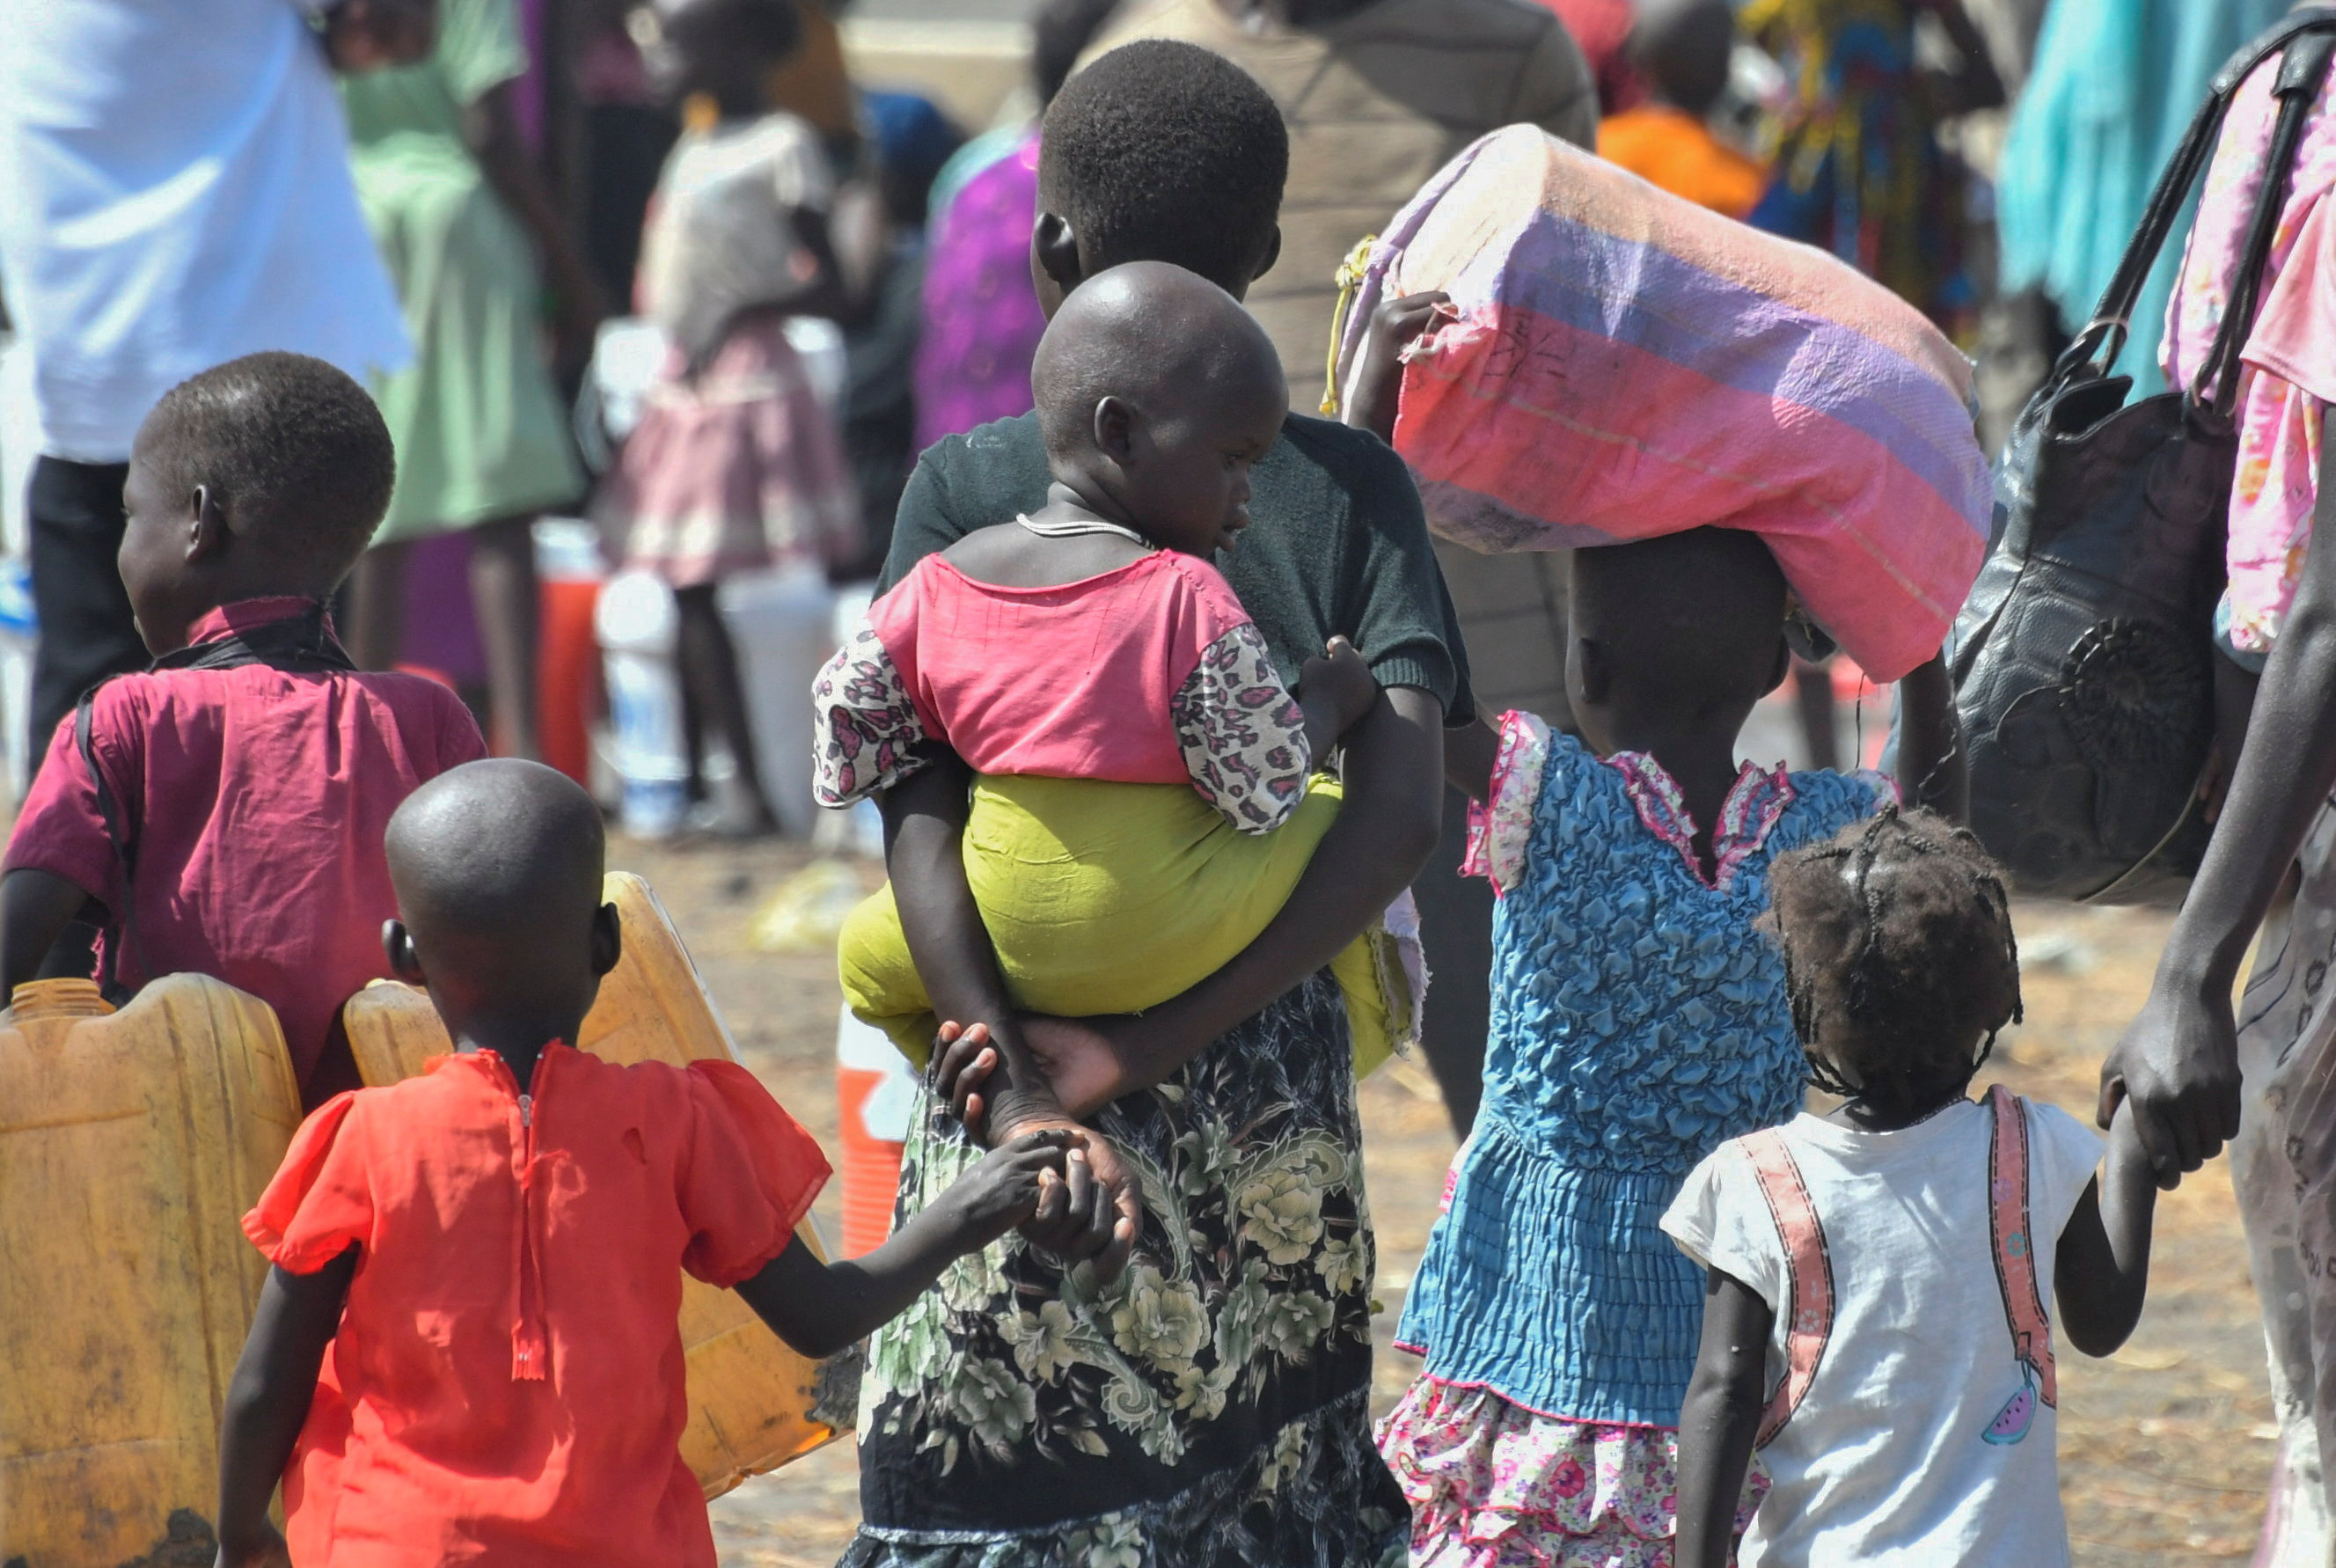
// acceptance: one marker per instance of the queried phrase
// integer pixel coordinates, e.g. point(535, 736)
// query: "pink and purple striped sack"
point(1627, 365)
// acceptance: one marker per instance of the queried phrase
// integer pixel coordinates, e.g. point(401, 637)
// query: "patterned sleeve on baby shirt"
point(1241, 732)
point(868, 735)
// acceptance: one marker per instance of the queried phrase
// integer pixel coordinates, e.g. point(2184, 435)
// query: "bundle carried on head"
point(1627, 365)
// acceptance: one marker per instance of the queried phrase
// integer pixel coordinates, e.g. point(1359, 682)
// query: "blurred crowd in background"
point(667, 336)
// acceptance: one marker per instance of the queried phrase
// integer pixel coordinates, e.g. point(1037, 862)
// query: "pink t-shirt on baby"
point(1151, 673)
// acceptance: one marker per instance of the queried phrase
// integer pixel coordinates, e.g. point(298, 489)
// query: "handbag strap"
point(2112, 317)
point(2301, 70)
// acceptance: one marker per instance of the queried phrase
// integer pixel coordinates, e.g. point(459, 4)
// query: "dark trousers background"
point(87, 632)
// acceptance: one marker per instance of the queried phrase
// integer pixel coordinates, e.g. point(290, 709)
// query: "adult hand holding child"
point(1094, 1209)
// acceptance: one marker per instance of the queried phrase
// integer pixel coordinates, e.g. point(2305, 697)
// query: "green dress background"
point(481, 433)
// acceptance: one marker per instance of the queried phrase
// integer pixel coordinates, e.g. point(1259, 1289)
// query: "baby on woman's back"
point(1093, 638)
point(1144, 794)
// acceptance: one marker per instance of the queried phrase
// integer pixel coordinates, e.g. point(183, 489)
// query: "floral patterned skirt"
point(1208, 1408)
point(1493, 1485)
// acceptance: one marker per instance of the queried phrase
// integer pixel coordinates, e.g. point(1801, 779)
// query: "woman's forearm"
point(2284, 773)
point(1386, 828)
point(1933, 771)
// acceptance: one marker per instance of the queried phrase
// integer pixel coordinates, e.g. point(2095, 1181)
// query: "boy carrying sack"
point(225, 808)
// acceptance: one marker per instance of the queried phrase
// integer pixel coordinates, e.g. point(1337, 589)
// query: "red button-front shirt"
point(507, 1384)
point(259, 799)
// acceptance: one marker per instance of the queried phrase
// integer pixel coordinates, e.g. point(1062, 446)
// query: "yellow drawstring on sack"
point(1349, 278)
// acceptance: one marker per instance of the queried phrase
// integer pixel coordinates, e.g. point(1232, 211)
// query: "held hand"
point(1340, 676)
point(264, 1549)
point(1378, 382)
point(1012, 1184)
point(2177, 1066)
point(1093, 1213)
point(1085, 1061)
point(963, 1060)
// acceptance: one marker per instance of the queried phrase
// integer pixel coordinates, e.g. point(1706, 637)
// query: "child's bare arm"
point(1470, 753)
point(1931, 769)
point(2101, 1269)
point(924, 826)
point(1720, 1417)
point(268, 1401)
point(1335, 691)
point(35, 907)
point(1373, 387)
point(819, 1308)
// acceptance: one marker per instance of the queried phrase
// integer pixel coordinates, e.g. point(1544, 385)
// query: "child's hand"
point(1012, 1184)
point(1082, 1066)
point(1338, 688)
point(264, 1549)
point(1376, 386)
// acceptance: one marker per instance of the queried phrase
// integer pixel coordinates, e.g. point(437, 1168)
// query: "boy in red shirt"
point(226, 807)
point(467, 1351)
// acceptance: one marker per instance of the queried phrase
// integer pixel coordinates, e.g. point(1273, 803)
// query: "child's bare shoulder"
point(1007, 555)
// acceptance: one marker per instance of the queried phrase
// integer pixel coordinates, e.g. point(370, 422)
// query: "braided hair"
point(1900, 963)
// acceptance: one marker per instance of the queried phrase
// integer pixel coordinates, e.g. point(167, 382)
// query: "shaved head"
point(1164, 340)
point(498, 866)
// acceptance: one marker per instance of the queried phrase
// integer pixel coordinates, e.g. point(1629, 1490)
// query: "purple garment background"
point(981, 316)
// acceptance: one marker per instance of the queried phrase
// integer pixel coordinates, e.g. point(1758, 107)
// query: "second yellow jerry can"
point(131, 1144)
point(754, 1404)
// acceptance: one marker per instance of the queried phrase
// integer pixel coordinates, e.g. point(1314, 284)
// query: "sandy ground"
point(2164, 1447)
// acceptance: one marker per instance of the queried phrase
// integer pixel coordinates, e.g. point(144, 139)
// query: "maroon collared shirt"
point(259, 799)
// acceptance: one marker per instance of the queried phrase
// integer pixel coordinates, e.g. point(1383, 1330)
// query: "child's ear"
point(206, 529)
point(607, 939)
point(404, 962)
point(1271, 254)
point(1593, 672)
point(1055, 250)
point(1784, 667)
point(1115, 429)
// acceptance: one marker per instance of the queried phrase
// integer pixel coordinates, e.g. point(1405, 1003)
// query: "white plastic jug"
point(781, 623)
point(638, 624)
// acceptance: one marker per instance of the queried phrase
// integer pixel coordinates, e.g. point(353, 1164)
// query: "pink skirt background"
point(1493, 1485)
point(740, 468)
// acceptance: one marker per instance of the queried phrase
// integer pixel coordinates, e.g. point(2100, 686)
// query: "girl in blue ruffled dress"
point(1638, 1022)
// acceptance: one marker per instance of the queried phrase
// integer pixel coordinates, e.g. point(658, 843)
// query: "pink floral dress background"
point(2289, 376)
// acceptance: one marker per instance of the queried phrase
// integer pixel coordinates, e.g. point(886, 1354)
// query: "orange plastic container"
point(875, 1094)
point(131, 1144)
point(754, 1404)
point(568, 674)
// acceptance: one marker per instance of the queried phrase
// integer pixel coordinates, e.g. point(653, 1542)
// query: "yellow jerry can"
point(131, 1144)
point(754, 1404)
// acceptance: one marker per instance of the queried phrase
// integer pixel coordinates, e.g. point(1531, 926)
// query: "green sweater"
point(1337, 543)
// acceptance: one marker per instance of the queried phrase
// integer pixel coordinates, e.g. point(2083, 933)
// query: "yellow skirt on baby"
point(1112, 898)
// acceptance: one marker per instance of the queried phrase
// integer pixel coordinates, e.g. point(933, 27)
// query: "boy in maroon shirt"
point(225, 810)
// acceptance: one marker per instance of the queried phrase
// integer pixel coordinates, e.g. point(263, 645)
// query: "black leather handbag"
point(2083, 660)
